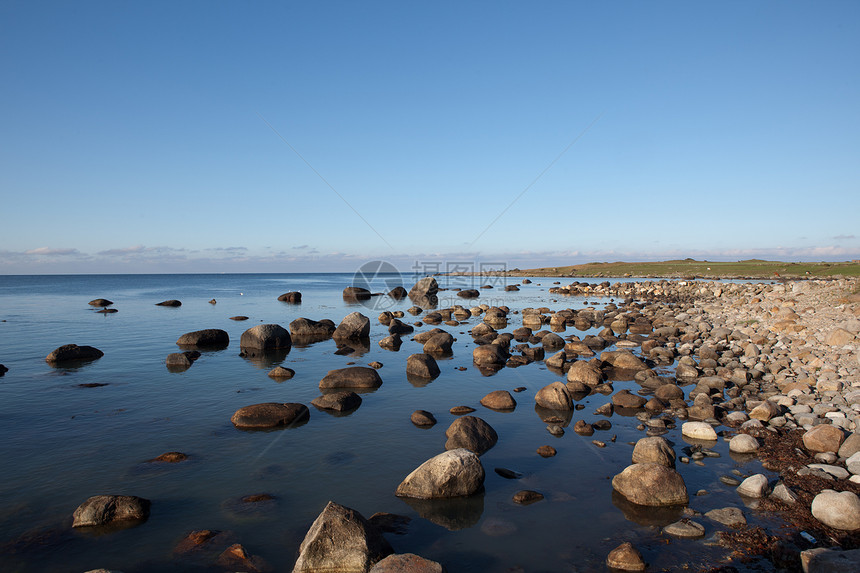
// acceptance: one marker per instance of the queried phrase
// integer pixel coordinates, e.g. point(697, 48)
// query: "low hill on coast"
point(688, 268)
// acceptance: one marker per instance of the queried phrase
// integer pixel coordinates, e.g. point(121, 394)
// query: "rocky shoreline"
point(773, 369)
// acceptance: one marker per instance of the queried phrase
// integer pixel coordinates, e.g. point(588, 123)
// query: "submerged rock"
point(407, 563)
point(172, 303)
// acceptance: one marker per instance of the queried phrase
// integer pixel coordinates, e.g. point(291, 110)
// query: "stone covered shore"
point(780, 363)
point(774, 369)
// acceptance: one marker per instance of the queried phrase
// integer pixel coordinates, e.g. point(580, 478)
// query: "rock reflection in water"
point(647, 515)
point(453, 513)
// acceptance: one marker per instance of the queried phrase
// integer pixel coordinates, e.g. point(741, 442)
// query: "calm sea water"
point(63, 442)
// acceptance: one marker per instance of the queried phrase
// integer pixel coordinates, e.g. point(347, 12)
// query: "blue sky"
point(313, 136)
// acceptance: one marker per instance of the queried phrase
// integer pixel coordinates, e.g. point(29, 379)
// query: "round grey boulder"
point(743, 444)
point(839, 510)
point(651, 484)
point(454, 473)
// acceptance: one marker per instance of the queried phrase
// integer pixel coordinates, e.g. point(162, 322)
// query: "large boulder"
point(341, 540)
point(839, 510)
point(586, 373)
point(654, 450)
point(266, 337)
point(489, 355)
point(353, 326)
point(422, 366)
point(423, 293)
point(73, 353)
point(554, 396)
point(110, 509)
point(208, 338)
point(305, 327)
point(826, 560)
point(269, 415)
point(472, 434)
point(623, 360)
point(439, 343)
point(823, 438)
point(454, 473)
point(351, 377)
point(651, 484)
point(341, 401)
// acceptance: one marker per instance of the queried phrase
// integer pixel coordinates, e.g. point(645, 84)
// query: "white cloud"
point(48, 251)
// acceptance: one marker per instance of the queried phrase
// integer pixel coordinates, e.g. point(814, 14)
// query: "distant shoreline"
point(688, 269)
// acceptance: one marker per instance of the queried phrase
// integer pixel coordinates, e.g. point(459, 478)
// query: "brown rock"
point(823, 438)
point(499, 400)
point(546, 451)
point(407, 563)
point(626, 558)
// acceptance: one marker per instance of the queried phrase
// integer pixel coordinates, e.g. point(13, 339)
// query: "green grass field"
point(753, 268)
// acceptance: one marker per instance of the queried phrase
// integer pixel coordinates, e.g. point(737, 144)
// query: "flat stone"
point(685, 529)
point(836, 471)
point(406, 563)
point(730, 516)
point(699, 431)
